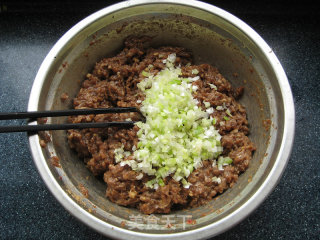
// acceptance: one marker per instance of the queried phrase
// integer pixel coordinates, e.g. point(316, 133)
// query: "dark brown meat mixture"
point(113, 82)
point(124, 188)
point(238, 147)
point(97, 146)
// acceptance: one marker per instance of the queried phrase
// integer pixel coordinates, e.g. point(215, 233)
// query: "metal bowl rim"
point(209, 230)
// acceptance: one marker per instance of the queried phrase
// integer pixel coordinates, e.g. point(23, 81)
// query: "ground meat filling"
point(113, 83)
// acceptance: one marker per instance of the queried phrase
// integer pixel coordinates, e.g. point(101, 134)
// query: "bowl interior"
point(213, 40)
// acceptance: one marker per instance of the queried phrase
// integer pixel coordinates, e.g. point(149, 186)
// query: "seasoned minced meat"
point(113, 83)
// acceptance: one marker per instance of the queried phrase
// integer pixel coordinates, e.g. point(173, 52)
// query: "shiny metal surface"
point(214, 36)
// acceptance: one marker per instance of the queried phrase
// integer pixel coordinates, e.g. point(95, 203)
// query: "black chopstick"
point(60, 113)
point(64, 126)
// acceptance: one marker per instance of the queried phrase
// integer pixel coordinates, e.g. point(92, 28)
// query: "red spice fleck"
point(84, 190)
point(191, 221)
point(169, 225)
point(65, 64)
point(42, 120)
point(266, 124)
point(64, 97)
point(55, 161)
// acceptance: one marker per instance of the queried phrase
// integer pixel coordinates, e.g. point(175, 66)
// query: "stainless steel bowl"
point(214, 36)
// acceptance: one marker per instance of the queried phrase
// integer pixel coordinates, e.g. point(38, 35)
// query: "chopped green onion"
point(145, 74)
point(224, 161)
point(226, 118)
point(213, 86)
point(177, 134)
point(228, 112)
point(206, 104)
point(216, 179)
point(161, 183)
point(194, 71)
point(175, 81)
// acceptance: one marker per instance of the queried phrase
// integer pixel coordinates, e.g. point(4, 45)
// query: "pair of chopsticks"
point(33, 116)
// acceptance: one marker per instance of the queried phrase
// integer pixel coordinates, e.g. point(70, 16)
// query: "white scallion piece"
point(194, 71)
point(195, 88)
point(140, 176)
point(213, 86)
point(210, 110)
point(206, 104)
point(216, 179)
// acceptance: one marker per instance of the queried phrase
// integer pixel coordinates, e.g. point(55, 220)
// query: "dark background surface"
point(28, 30)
